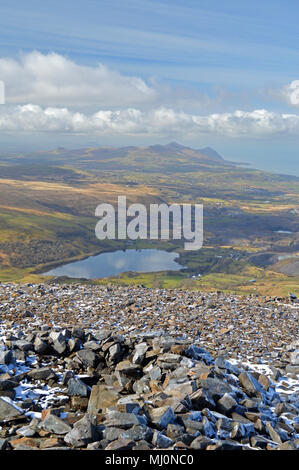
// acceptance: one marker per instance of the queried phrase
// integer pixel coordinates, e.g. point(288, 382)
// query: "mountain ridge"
point(167, 158)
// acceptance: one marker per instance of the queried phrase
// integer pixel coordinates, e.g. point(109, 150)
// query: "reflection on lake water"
point(117, 262)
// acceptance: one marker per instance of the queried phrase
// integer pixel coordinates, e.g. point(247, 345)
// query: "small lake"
point(117, 262)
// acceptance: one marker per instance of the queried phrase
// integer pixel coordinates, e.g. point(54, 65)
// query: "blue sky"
point(193, 58)
point(219, 42)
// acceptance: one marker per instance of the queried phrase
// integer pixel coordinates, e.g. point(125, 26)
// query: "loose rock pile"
point(91, 367)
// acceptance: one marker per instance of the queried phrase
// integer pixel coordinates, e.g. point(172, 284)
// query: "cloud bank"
point(155, 122)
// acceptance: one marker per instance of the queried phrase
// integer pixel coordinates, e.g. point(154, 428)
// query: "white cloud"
point(54, 80)
point(161, 121)
point(291, 93)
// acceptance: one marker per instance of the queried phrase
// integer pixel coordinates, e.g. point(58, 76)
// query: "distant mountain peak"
point(209, 152)
point(176, 148)
point(176, 145)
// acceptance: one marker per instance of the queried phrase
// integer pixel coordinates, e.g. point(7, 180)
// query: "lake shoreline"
point(128, 250)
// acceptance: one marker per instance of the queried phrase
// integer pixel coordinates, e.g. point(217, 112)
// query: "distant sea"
point(277, 157)
point(284, 166)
